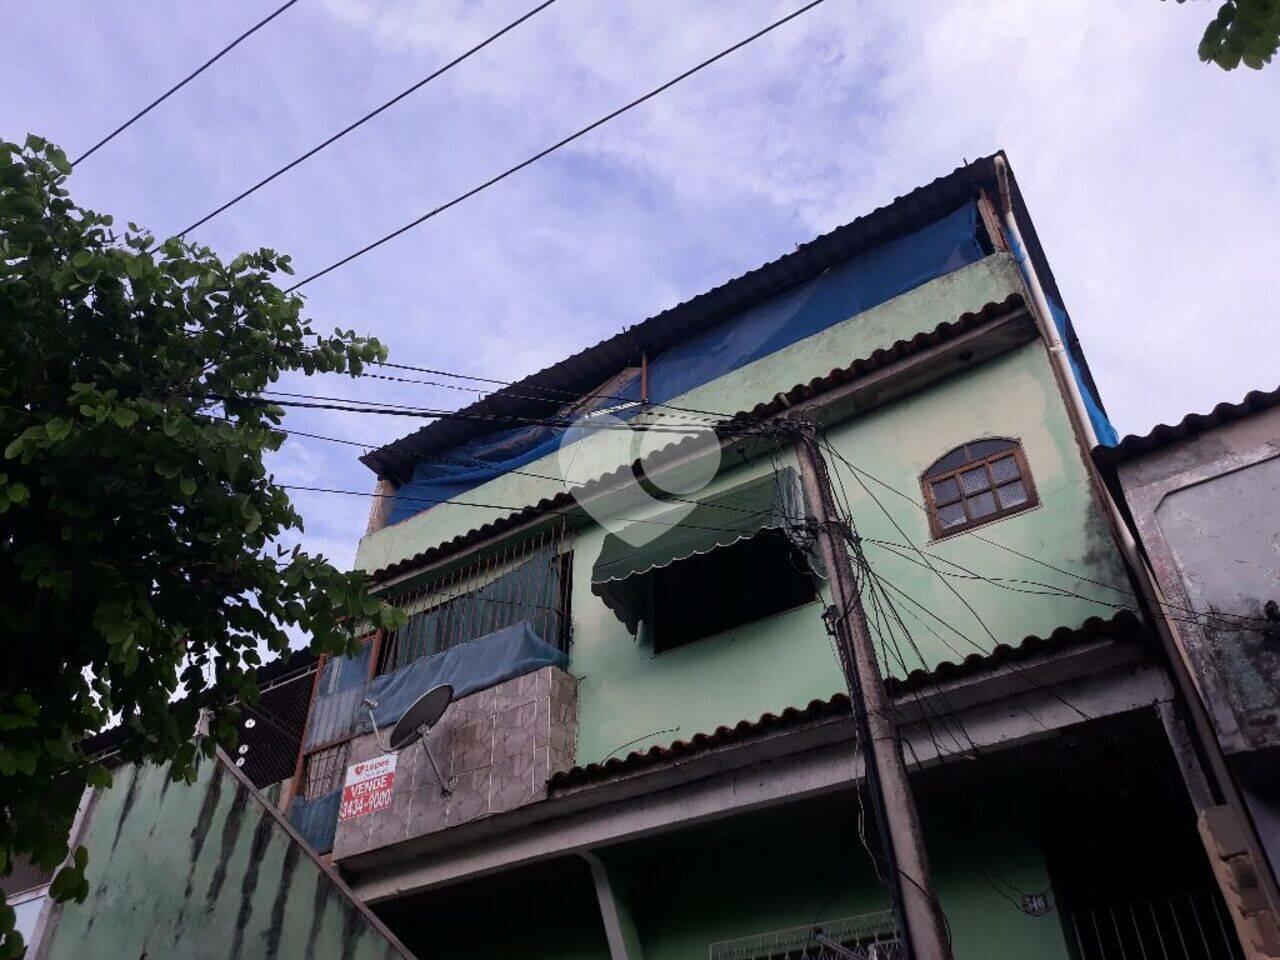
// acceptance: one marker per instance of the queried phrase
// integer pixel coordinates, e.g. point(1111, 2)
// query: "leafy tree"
point(139, 528)
point(1244, 31)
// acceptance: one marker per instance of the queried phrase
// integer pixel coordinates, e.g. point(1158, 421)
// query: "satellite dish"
point(422, 715)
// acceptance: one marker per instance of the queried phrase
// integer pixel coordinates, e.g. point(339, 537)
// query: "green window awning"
point(621, 574)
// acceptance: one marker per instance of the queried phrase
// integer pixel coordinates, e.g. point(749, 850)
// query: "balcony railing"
point(869, 936)
point(1193, 926)
point(528, 580)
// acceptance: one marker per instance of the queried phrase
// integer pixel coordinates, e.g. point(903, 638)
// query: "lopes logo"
point(600, 442)
point(369, 769)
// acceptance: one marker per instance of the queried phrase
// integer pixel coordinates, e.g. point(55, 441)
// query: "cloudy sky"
point(1151, 177)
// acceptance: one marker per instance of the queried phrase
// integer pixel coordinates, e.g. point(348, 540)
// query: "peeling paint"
point(126, 808)
point(249, 882)
point(283, 888)
point(230, 834)
point(242, 897)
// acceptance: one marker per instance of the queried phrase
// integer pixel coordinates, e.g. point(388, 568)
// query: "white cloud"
point(1151, 178)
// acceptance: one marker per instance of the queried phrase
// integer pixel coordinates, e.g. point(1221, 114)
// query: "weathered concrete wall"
point(751, 875)
point(1206, 511)
point(497, 748)
point(206, 871)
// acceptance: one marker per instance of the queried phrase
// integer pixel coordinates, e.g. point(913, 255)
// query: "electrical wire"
point(950, 587)
point(1075, 575)
point(1052, 590)
point(546, 151)
point(183, 82)
point(403, 410)
point(543, 395)
point(367, 117)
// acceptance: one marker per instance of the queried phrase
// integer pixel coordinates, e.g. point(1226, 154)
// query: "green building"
point(650, 750)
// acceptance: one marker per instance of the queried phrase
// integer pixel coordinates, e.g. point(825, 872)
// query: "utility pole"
point(901, 838)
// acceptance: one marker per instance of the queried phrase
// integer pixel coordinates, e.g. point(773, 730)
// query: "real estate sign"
point(367, 788)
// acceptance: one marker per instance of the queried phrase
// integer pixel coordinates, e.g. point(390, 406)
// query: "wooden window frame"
point(936, 530)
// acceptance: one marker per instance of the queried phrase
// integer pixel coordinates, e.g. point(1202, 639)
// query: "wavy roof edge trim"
point(563, 502)
point(1123, 624)
point(586, 368)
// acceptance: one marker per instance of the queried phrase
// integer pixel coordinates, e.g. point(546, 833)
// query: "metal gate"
point(1190, 926)
point(869, 936)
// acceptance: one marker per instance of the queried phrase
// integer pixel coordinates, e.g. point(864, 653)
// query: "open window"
point(976, 483)
point(708, 594)
point(735, 558)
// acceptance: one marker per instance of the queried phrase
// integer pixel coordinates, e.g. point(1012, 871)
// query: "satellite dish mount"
point(423, 714)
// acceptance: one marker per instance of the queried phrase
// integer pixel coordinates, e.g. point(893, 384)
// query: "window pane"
point(946, 491)
point(1012, 494)
point(951, 515)
point(1005, 469)
point(983, 505)
point(956, 458)
point(975, 480)
point(985, 448)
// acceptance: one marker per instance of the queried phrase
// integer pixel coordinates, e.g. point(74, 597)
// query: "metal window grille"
point(325, 770)
point(869, 936)
point(525, 580)
point(271, 729)
point(1192, 926)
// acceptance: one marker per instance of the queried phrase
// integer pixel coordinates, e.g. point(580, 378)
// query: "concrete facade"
point(1205, 508)
point(202, 872)
point(706, 803)
point(1203, 504)
point(496, 748)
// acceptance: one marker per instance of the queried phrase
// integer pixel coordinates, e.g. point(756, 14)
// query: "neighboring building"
point(1204, 498)
point(201, 871)
point(143, 831)
point(649, 752)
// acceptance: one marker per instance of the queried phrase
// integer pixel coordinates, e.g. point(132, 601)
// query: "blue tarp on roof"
point(842, 292)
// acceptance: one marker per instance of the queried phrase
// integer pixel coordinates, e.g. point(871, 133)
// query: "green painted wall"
point(630, 699)
point(939, 301)
point(805, 864)
point(544, 912)
point(628, 694)
point(204, 871)
point(775, 870)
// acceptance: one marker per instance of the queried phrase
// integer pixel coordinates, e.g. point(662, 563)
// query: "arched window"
point(975, 483)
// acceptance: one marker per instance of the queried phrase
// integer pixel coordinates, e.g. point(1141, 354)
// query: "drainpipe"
point(1148, 589)
point(1040, 304)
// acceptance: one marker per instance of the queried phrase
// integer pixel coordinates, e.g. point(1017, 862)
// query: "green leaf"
point(124, 417)
point(58, 429)
point(188, 486)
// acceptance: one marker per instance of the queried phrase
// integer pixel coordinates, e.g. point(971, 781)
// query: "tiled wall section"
point(497, 748)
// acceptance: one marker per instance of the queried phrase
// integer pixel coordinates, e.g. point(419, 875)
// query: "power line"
point(947, 583)
point(404, 410)
point(367, 117)
point(1076, 575)
point(550, 394)
point(1052, 590)
point(551, 149)
point(508, 508)
point(184, 81)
